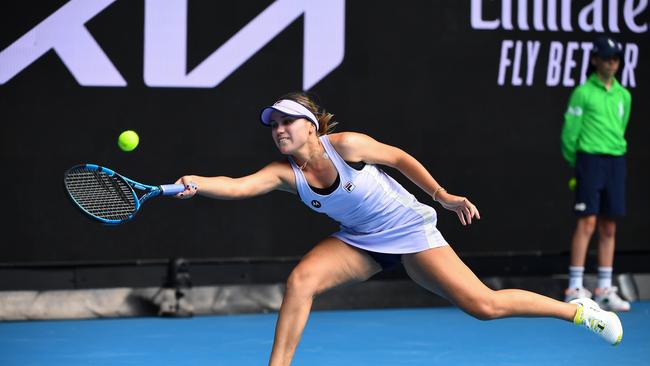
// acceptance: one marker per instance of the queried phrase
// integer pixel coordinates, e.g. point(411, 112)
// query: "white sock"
point(604, 277)
point(575, 276)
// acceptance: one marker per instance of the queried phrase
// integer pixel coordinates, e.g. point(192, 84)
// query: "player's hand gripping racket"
point(107, 196)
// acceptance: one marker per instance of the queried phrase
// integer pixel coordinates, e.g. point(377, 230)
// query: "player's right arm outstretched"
point(275, 176)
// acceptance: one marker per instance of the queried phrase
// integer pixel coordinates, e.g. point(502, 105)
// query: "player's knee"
point(483, 308)
point(302, 282)
point(486, 312)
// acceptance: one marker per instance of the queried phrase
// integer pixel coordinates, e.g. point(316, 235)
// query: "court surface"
point(422, 336)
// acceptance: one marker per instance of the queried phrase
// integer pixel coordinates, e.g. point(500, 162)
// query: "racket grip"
point(171, 189)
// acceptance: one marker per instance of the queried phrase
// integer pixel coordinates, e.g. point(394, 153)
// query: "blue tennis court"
point(420, 336)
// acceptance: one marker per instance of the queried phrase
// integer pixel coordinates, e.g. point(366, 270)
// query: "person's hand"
point(190, 187)
point(460, 205)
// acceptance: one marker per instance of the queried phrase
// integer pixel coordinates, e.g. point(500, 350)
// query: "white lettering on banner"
point(551, 21)
point(64, 32)
point(166, 42)
point(506, 15)
point(532, 51)
point(567, 64)
point(630, 12)
point(566, 16)
point(567, 61)
point(165, 46)
point(613, 17)
point(476, 14)
point(554, 67)
point(631, 58)
point(590, 17)
point(516, 79)
point(593, 11)
point(538, 20)
point(506, 45)
point(532, 48)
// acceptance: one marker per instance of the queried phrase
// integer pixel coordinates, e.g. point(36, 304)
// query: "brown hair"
point(325, 119)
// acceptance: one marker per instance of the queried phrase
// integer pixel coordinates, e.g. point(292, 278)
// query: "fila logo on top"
point(165, 43)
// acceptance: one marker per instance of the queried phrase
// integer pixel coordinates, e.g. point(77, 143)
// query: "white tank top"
point(375, 212)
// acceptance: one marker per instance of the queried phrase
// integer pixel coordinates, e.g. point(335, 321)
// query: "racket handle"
point(171, 189)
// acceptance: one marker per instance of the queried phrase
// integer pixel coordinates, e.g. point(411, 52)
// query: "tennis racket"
point(107, 196)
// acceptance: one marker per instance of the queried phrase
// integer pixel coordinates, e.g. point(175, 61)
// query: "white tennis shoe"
point(608, 299)
point(604, 323)
point(576, 293)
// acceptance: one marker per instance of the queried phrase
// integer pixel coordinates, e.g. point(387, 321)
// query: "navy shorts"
point(385, 260)
point(600, 185)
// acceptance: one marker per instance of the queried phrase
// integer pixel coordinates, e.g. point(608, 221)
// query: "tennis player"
point(382, 225)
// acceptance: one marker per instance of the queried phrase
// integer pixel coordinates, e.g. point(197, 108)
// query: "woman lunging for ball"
point(382, 224)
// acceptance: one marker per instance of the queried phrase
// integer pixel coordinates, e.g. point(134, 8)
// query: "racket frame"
point(150, 191)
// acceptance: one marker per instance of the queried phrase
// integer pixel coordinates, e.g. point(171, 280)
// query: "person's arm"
point(572, 126)
point(275, 176)
point(359, 147)
point(627, 109)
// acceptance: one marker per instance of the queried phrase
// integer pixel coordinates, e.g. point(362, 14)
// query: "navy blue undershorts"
point(600, 185)
point(385, 260)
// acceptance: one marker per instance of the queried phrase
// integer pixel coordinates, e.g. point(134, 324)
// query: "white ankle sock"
point(575, 276)
point(604, 277)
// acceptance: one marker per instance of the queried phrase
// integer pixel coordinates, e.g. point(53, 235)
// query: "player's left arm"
point(359, 147)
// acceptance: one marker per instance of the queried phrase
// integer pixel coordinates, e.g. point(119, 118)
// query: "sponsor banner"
point(476, 90)
point(562, 61)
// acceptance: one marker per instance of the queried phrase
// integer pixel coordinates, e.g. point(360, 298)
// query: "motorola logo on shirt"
point(315, 203)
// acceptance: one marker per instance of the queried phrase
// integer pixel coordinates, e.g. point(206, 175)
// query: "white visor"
point(289, 108)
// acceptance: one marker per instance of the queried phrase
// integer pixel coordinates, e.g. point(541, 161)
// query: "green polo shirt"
point(596, 119)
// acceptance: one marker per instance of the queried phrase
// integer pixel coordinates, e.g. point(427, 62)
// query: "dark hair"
point(325, 119)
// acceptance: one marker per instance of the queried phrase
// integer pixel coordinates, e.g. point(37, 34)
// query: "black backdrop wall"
point(447, 81)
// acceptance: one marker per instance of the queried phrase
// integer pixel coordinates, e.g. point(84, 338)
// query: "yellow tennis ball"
point(128, 140)
point(572, 184)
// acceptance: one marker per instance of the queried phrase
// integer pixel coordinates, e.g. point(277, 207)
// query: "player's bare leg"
point(441, 270)
point(331, 263)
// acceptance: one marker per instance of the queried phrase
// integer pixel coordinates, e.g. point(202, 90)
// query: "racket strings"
point(100, 194)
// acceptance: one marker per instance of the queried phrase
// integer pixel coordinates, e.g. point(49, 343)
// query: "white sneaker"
point(576, 293)
point(604, 323)
point(608, 299)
